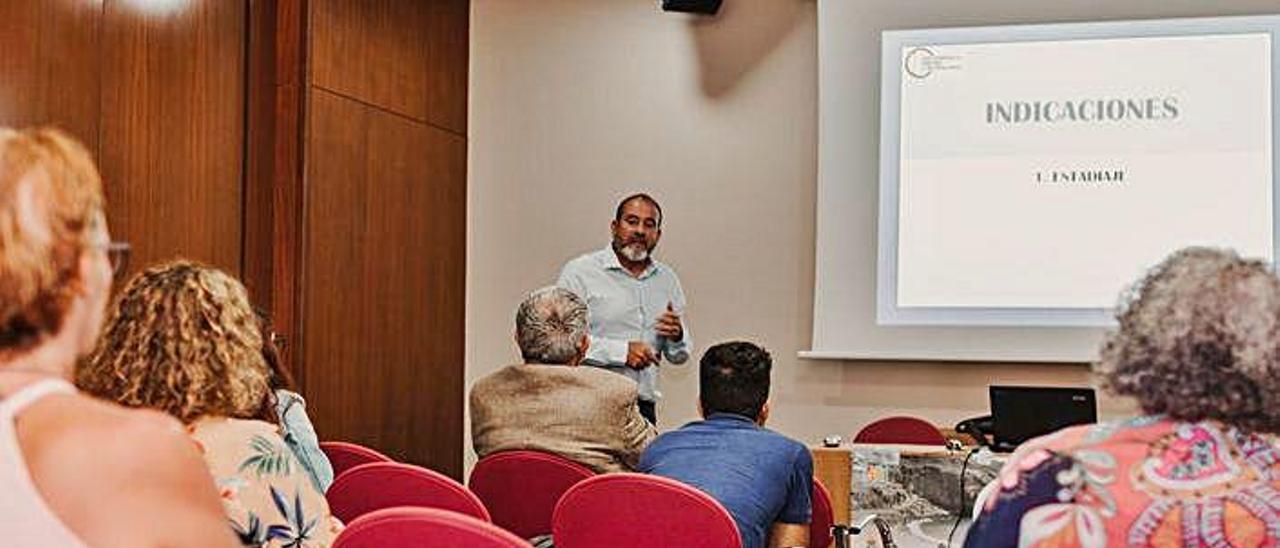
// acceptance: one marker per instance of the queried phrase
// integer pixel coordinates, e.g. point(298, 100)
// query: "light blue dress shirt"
point(301, 438)
point(625, 308)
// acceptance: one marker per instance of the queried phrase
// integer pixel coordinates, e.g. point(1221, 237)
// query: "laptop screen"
point(1020, 413)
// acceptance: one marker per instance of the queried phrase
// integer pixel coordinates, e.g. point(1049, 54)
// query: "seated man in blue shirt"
point(763, 478)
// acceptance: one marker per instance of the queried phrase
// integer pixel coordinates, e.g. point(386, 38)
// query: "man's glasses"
point(118, 256)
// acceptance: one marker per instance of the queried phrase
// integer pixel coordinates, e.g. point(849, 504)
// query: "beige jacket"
point(582, 413)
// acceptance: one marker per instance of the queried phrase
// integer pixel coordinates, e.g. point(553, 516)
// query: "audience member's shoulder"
point(503, 375)
point(790, 443)
point(1086, 436)
point(784, 443)
point(520, 377)
point(606, 380)
point(1141, 430)
point(104, 451)
point(1069, 438)
point(107, 423)
point(233, 427)
point(670, 436)
point(78, 432)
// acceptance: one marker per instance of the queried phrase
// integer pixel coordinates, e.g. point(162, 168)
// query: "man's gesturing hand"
point(669, 325)
point(640, 355)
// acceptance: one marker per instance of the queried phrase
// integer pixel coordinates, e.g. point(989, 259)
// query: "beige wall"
point(575, 103)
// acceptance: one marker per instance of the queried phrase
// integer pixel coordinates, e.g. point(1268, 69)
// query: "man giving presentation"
point(636, 302)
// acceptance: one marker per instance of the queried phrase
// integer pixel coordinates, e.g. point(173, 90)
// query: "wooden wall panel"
point(172, 129)
point(273, 178)
point(448, 26)
point(383, 281)
point(352, 233)
point(405, 56)
point(372, 50)
point(49, 70)
point(262, 133)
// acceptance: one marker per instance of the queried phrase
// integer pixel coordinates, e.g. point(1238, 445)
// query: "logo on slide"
point(918, 63)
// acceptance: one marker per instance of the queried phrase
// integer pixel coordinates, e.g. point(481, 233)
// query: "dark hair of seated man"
point(735, 379)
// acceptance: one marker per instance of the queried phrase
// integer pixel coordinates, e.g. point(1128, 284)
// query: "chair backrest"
point(635, 510)
point(907, 430)
point(409, 526)
point(345, 456)
point(379, 485)
point(520, 488)
point(823, 517)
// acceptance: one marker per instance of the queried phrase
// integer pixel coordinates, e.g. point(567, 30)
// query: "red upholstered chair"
point(823, 517)
point(345, 456)
point(379, 485)
point(639, 511)
point(411, 527)
point(521, 488)
point(906, 430)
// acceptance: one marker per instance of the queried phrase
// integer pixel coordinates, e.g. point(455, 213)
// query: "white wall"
point(575, 103)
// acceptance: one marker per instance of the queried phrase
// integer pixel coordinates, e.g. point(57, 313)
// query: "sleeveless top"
point(25, 519)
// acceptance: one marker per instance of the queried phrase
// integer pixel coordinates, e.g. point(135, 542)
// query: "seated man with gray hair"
point(548, 404)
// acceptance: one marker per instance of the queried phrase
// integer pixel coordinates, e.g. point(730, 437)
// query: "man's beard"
point(635, 251)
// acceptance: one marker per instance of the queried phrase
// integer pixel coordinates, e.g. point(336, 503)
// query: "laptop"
point(1020, 413)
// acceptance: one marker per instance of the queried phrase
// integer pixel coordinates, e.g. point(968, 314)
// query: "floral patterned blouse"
point(269, 498)
point(1149, 481)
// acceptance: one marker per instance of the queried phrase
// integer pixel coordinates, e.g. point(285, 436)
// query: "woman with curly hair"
point(1198, 347)
point(183, 339)
point(76, 471)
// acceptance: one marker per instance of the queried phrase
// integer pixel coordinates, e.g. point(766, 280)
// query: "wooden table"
point(833, 466)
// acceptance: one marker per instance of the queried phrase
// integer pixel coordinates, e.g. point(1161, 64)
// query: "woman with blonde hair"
point(1198, 347)
point(74, 470)
point(183, 339)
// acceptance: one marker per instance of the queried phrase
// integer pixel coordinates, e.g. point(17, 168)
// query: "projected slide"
point(1050, 174)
